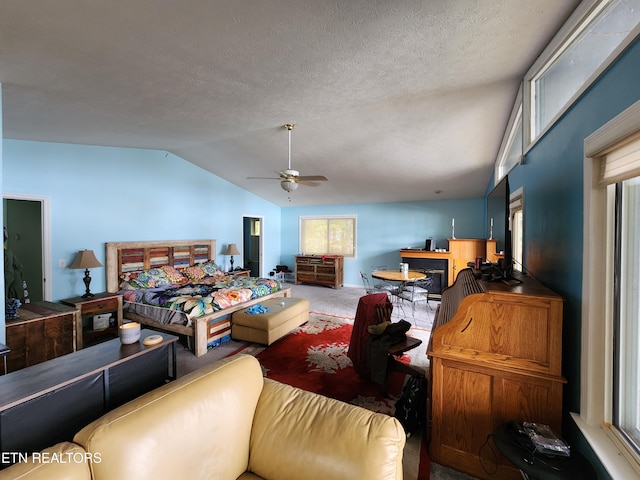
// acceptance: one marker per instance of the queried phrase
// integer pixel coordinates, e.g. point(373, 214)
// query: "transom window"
point(578, 59)
point(328, 235)
point(511, 149)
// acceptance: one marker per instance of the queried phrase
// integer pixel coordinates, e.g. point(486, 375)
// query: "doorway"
point(26, 219)
point(252, 228)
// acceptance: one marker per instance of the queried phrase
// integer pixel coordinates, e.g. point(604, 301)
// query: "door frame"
point(261, 253)
point(45, 224)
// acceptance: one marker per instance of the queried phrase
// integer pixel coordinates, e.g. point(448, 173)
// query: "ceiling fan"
point(289, 178)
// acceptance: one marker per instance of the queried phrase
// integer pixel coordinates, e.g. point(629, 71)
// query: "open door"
point(252, 244)
point(26, 220)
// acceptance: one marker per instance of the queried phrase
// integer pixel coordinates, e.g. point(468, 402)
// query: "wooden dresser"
point(320, 270)
point(499, 358)
point(43, 330)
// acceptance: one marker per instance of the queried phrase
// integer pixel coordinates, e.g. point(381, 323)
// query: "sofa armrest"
point(298, 434)
point(63, 460)
point(198, 426)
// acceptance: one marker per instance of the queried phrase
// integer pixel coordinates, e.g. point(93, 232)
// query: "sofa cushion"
point(298, 434)
point(197, 427)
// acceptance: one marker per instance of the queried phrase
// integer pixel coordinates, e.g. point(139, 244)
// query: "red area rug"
point(314, 358)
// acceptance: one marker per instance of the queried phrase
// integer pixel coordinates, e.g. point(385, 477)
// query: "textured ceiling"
point(392, 100)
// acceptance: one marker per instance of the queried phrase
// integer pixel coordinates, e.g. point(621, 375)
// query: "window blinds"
point(621, 162)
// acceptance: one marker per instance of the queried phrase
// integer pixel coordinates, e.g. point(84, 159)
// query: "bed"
point(176, 286)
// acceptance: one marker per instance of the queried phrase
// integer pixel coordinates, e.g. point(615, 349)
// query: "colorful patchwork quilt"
point(194, 296)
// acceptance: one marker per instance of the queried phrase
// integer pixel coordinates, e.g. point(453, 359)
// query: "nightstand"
point(93, 330)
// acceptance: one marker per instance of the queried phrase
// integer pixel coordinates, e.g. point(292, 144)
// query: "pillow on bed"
point(152, 278)
point(173, 274)
point(195, 273)
point(211, 269)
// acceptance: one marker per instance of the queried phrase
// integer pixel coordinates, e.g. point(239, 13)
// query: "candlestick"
point(453, 222)
point(492, 222)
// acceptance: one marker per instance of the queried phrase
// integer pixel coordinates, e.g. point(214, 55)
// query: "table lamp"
point(86, 259)
point(232, 250)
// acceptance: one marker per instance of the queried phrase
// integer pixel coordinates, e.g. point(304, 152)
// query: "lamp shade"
point(232, 250)
point(85, 259)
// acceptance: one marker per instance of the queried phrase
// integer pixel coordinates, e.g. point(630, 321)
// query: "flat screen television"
point(498, 213)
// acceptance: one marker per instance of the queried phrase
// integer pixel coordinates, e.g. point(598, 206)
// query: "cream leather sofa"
point(226, 421)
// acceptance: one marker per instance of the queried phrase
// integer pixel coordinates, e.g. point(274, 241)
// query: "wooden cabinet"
point(499, 358)
point(492, 251)
point(463, 251)
point(43, 330)
point(100, 304)
point(320, 270)
point(49, 402)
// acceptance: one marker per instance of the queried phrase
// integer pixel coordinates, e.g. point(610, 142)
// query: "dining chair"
point(368, 287)
point(416, 292)
point(372, 286)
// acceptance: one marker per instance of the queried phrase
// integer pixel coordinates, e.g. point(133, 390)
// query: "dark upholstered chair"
point(365, 316)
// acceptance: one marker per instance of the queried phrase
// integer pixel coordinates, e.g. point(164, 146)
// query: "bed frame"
point(123, 257)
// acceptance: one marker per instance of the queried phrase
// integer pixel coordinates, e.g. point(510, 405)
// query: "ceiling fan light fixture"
point(288, 185)
point(290, 178)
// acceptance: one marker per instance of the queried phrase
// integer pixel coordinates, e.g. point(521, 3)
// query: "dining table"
point(398, 276)
point(401, 278)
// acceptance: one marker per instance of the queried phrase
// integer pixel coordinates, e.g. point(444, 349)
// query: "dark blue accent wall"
point(552, 177)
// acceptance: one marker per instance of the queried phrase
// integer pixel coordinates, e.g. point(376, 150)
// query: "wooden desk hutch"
point(499, 358)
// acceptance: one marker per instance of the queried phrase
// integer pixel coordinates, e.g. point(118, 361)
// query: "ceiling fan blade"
point(263, 178)
point(308, 184)
point(313, 178)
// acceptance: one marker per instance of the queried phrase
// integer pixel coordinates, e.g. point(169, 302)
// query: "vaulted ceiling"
point(392, 100)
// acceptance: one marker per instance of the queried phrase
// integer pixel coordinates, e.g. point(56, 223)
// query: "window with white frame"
point(610, 396)
point(587, 46)
point(516, 218)
point(511, 148)
point(626, 310)
point(328, 235)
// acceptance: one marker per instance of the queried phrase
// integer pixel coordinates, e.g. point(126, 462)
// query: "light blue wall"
point(385, 228)
point(552, 177)
point(103, 194)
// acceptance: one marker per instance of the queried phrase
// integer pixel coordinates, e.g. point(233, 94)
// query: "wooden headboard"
point(127, 257)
